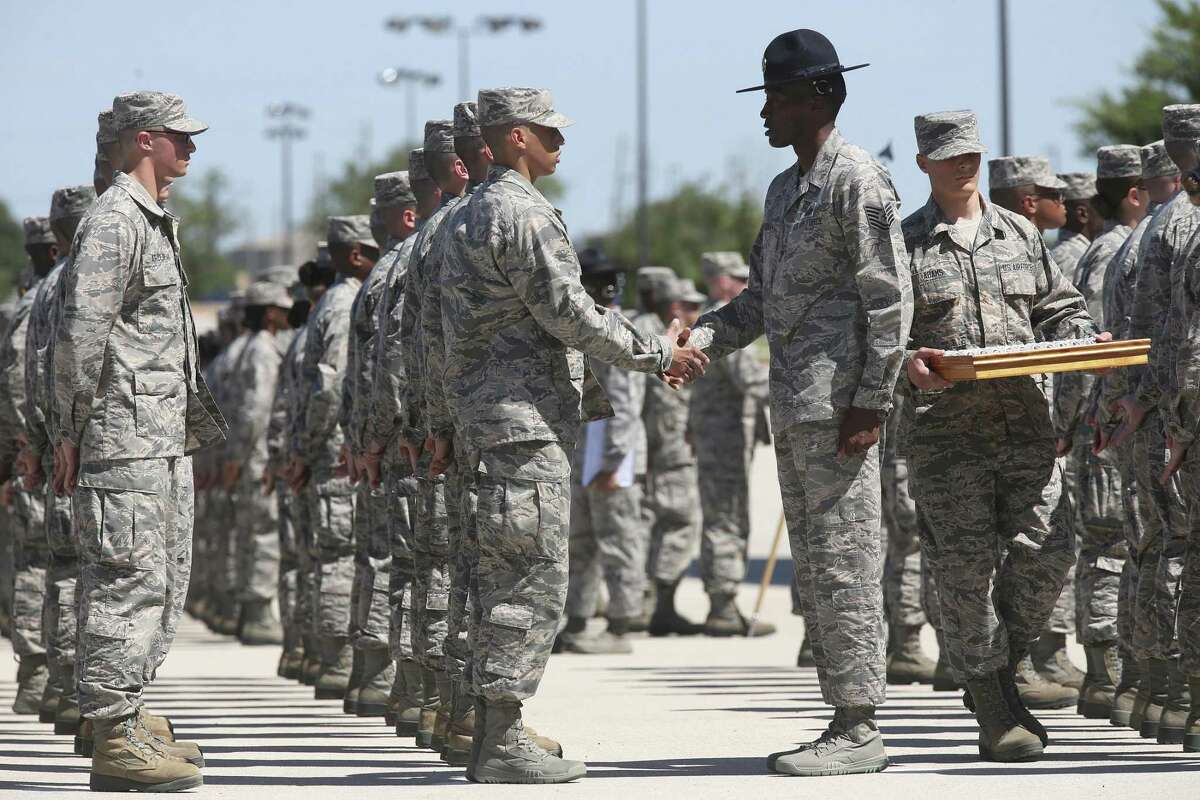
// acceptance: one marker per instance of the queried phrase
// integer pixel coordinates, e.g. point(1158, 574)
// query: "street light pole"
point(287, 131)
point(411, 78)
point(1005, 129)
point(643, 159)
point(464, 62)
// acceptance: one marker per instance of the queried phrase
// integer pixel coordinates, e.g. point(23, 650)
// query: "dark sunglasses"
point(1053, 195)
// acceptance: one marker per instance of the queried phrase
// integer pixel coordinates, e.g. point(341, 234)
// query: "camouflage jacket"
point(421, 269)
point(1183, 403)
point(1067, 251)
point(125, 371)
point(364, 321)
point(254, 380)
point(1072, 390)
point(39, 409)
point(517, 321)
point(726, 403)
point(283, 407)
point(219, 375)
point(828, 286)
point(1165, 238)
point(1003, 289)
point(317, 438)
point(384, 413)
point(12, 377)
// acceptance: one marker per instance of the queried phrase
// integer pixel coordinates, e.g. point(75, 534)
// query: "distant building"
point(258, 254)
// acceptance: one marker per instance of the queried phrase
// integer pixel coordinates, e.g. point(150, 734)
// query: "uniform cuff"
point(874, 399)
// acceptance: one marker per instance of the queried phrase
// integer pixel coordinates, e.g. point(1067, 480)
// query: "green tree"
point(12, 250)
point(1166, 72)
point(694, 220)
point(208, 218)
point(350, 192)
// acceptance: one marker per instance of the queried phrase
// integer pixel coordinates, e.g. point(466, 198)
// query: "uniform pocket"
point(121, 518)
point(160, 406)
point(511, 624)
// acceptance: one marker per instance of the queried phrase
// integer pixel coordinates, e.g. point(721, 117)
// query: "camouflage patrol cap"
point(946, 134)
point(355, 229)
point(1009, 171)
point(1155, 161)
point(37, 231)
point(1080, 185)
point(724, 263)
point(439, 136)
point(268, 293)
point(510, 105)
point(416, 165)
point(280, 275)
point(393, 189)
point(71, 201)
point(1181, 122)
point(653, 279)
point(378, 226)
point(106, 127)
point(679, 290)
point(1118, 161)
point(154, 110)
point(466, 120)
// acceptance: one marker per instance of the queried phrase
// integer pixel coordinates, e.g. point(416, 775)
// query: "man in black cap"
point(829, 286)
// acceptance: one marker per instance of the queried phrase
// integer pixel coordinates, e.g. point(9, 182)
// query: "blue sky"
point(63, 61)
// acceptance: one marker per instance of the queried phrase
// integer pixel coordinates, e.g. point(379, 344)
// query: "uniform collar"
point(818, 176)
point(508, 175)
point(937, 223)
point(140, 196)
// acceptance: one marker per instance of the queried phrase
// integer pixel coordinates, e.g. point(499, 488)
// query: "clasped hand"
point(687, 361)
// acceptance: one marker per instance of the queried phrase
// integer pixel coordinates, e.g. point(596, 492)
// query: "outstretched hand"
point(687, 362)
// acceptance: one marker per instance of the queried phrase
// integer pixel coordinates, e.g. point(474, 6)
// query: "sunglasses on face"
point(1053, 195)
point(183, 138)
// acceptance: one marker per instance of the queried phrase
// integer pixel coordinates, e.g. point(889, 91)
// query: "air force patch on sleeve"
point(880, 217)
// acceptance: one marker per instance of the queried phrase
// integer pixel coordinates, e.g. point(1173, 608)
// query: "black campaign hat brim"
point(771, 84)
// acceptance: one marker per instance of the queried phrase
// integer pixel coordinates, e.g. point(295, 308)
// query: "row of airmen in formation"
point(404, 475)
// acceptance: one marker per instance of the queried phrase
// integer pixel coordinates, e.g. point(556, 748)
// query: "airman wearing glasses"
point(1027, 186)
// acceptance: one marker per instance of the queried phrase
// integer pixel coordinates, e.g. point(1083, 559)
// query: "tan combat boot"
point(1126, 690)
point(337, 660)
point(724, 619)
point(1191, 731)
point(173, 748)
point(408, 708)
point(441, 722)
point(1141, 700)
point(1099, 686)
point(907, 663)
point(1049, 655)
point(507, 755)
point(378, 675)
point(1037, 692)
point(461, 733)
point(1173, 723)
point(51, 694)
point(1158, 683)
point(125, 760)
point(66, 719)
point(1001, 737)
point(354, 685)
point(32, 678)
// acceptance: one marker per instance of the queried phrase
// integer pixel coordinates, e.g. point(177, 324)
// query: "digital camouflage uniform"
point(1098, 503)
point(904, 574)
point(724, 416)
point(981, 452)
point(131, 399)
point(295, 558)
point(222, 551)
point(317, 438)
point(608, 537)
point(1164, 512)
point(828, 286)
point(515, 320)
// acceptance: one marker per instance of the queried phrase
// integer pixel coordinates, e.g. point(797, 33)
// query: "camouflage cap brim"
point(954, 149)
point(552, 119)
point(189, 125)
point(1050, 182)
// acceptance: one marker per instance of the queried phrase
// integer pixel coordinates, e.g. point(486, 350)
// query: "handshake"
point(687, 360)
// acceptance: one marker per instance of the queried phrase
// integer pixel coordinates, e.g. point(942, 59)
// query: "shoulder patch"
point(880, 216)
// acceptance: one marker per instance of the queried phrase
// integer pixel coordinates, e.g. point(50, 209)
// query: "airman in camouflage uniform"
point(513, 314)
point(252, 387)
point(1135, 607)
point(132, 407)
point(67, 209)
point(724, 421)
point(829, 288)
point(1083, 224)
point(981, 452)
point(318, 467)
point(1098, 513)
point(1161, 560)
point(31, 554)
point(395, 207)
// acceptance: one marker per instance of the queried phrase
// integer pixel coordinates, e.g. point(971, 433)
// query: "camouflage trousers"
point(1160, 553)
point(671, 510)
point(6, 564)
point(607, 544)
point(523, 518)
point(303, 617)
point(903, 577)
point(331, 515)
point(1131, 527)
point(431, 554)
point(1189, 587)
point(31, 558)
point(224, 563)
point(464, 567)
point(62, 584)
point(256, 537)
point(994, 535)
point(724, 486)
point(370, 617)
point(1062, 615)
point(288, 587)
point(832, 509)
point(1102, 544)
point(135, 534)
point(199, 586)
point(401, 493)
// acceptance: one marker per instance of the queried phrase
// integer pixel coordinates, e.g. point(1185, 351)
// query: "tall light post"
point(411, 79)
point(643, 157)
point(487, 24)
point(287, 130)
point(1005, 127)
